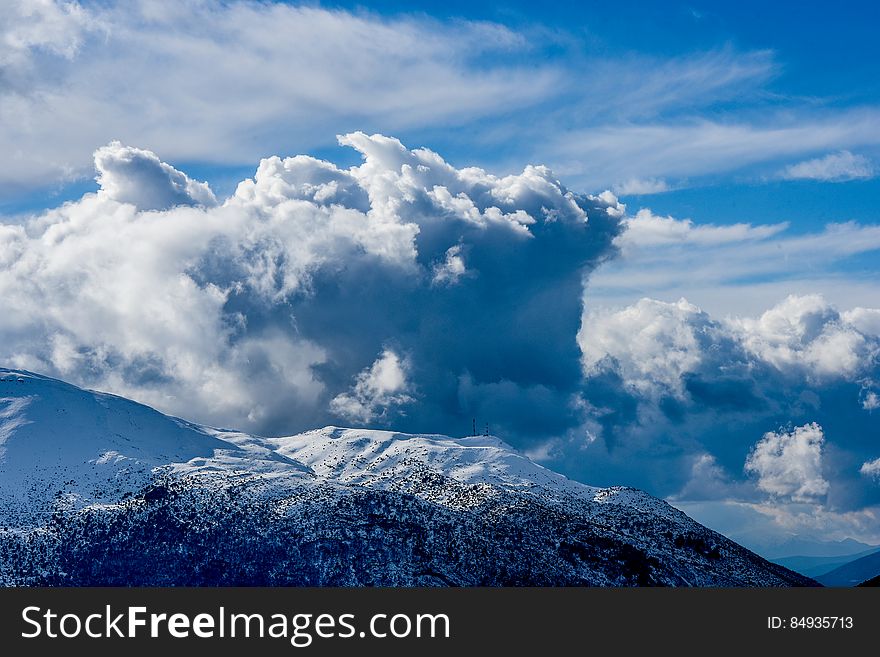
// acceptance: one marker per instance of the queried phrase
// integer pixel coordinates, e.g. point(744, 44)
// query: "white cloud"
point(280, 76)
point(871, 469)
point(284, 76)
point(639, 187)
point(132, 175)
point(806, 333)
point(259, 310)
point(790, 464)
point(675, 395)
point(647, 86)
point(646, 229)
point(653, 345)
point(56, 27)
point(736, 268)
point(382, 386)
point(866, 320)
point(871, 401)
point(834, 167)
point(451, 269)
point(693, 147)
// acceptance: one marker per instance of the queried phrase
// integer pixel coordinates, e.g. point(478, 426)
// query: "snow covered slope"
point(97, 489)
point(381, 459)
point(63, 446)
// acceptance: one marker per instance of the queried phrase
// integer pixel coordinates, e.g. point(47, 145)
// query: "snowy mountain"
point(96, 489)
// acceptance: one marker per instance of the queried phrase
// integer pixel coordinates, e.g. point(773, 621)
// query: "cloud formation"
point(650, 345)
point(638, 187)
point(871, 469)
point(834, 167)
point(653, 345)
point(377, 389)
point(726, 370)
point(267, 310)
point(285, 76)
point(739, 268)
point(702, 400)
point(408, 293)
point(80, 74)
point(694, 146)
point(131, 175)
point(806, 334)
point(57, 28)
point(790, 464)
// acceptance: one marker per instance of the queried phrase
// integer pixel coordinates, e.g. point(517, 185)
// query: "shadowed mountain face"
point(816, 566)
point(99, 490)
point(853, 573)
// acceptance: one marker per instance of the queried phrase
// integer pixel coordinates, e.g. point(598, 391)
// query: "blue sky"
point(715, 341)
point(755, 66)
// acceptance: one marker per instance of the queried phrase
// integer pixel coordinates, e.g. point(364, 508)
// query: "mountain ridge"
point(96, 489)
point(854, 572)
point(816, 566)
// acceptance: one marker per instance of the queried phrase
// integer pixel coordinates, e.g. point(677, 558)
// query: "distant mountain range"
point(853, 573)
point(815, 566)
point(98, 490)
point(806, 547)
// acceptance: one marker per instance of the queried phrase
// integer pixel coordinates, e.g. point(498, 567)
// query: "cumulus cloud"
point(650, 344)
point(132, 175)
point(790, 494)
point(866, 320)
point(654, 345)
point(267, 310)
point(834, 167)
point(674, 398)
point(789, 464)
point(383, 386)
point(806, 333)
point(871, 469)
point(451, 269)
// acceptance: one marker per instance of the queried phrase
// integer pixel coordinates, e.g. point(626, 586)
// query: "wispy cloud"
point(637, 187)
point(228, 83)
point(871, 469)
point(835, 167)
point(694, 147)
point(733, 268)
point(636, 88)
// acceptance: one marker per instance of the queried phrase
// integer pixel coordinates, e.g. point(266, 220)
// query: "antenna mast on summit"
point(475, 427)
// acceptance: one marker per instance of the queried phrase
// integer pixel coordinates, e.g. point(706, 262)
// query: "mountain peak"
point(93, 486)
